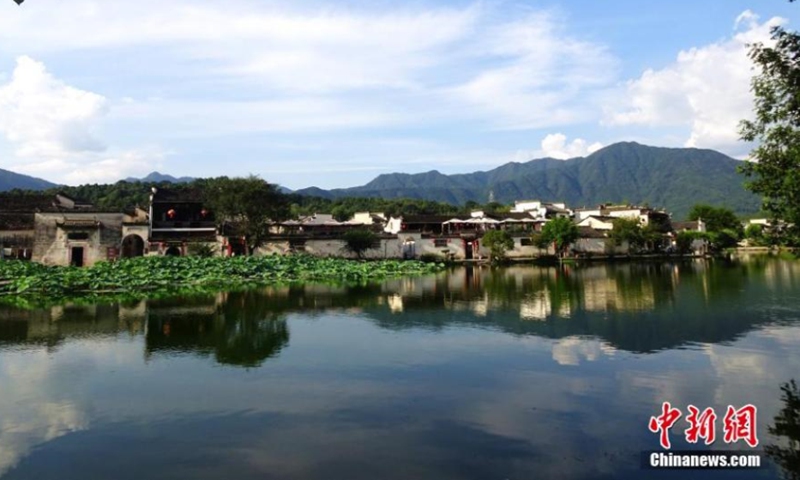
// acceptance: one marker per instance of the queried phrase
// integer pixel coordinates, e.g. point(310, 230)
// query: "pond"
point(474, 373)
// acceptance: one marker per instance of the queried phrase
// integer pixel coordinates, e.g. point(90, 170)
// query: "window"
point(525, 242)
point(77, 236)
point(440, 242)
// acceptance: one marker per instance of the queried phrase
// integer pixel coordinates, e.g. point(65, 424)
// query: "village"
point(61, 230)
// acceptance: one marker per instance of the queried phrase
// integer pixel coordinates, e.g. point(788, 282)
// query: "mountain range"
point(10, 181)
point(627, 172)
point(156, 177)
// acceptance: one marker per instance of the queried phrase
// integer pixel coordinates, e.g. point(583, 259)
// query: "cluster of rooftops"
point(59, 228)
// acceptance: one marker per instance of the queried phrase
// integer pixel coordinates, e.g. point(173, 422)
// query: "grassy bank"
point(157, 275)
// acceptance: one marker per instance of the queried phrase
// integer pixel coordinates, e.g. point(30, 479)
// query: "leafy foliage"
point(201, 250)
point(560, 232)
point(359, 241)
point(144, 276)
point(498, 242)
point(786, 428)
point(627, 230)
point(249, 204)
point(716, 218)
point(775, 173)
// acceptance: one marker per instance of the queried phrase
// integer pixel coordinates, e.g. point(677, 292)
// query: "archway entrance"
point(132, 246)
point(173, 251)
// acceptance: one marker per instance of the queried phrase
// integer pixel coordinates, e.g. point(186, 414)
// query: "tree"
point(716, 218)
point(775, 169)
point(247, 205)
point(786, 428)
point(754, 233)
point(560, 232)
point(498, 242)
point(628, 230)
point(359, 241)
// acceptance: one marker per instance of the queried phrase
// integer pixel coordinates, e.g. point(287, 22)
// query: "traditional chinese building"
point(179, 218)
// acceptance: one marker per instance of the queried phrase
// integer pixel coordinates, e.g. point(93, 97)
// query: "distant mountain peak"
point(675, 178)
point(10, 181)
point(158, 177)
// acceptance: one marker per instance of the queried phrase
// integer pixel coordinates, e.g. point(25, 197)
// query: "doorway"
point(467, 250)
point(76, 257)
point(132, 246)
point(173, 251)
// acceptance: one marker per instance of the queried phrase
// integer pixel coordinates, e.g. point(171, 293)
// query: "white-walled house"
point(597, 222)
point(541, 210)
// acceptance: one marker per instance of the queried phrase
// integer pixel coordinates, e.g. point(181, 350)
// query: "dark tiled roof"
point(182, 195)
point(603, 218)
point(27, 203)
point(16, 221)
point(79, 223)
point(692, 225)
point(426, 218)
point(514, 215)
point(589, 232)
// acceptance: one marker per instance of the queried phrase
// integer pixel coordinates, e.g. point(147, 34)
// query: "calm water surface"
point(512, 373)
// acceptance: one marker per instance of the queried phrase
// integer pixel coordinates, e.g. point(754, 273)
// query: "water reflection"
point(239, 329)
point(472, 373)
point(636, 307)
point(786, 428)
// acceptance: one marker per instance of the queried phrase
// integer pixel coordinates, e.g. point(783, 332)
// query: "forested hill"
point(675, 178)
point(11, 181)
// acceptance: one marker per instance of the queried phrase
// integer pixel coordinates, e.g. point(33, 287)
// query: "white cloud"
point(42, 116)
point(555, 145)
point(545, 72)
point(51, 126)
point(409, 63)
point(706, 89)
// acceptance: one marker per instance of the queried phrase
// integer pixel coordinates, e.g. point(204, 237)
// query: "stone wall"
point(53, 247)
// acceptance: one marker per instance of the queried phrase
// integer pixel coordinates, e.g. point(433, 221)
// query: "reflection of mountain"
point(635, 307)
point(236, 328)
point(640, 307)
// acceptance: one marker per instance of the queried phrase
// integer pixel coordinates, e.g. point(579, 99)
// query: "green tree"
point(755, 234)
point(775, 169)
point(248, 205)
point(359, 241)
point(786, 429)
point(716, 218)
point(683, 241)
point(628, 230)
point(560, 232)
point(498, 242)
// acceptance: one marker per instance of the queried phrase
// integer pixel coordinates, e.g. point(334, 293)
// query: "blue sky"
point(332, 94)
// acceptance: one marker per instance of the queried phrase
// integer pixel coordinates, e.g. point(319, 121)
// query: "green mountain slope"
point(675, 178)
point(11, 180)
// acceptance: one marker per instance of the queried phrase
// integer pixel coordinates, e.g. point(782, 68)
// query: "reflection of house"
point(179, 218)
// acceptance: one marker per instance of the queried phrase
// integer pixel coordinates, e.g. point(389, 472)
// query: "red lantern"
point(171, 213)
